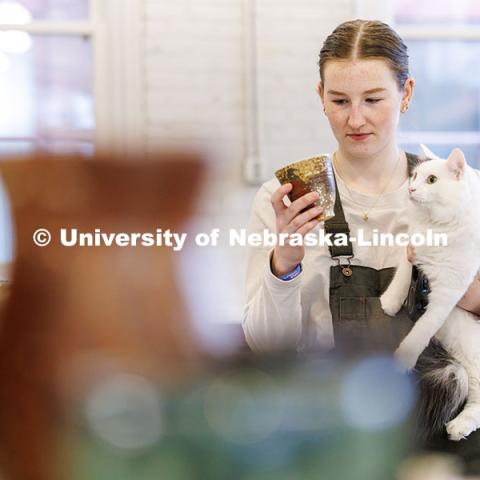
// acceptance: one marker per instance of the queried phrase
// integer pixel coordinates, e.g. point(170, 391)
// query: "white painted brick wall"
point(195, 75)
point(290, 36)
point(195, 64)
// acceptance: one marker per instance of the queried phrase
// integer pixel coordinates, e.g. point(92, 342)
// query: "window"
point(70, 75)
point(46, 76)
point(444, 44)
point(70, 80)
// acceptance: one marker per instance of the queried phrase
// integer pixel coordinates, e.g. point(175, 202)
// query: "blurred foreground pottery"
point(77, 314)
point(103, 378)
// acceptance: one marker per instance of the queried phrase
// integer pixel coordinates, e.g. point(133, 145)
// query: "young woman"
point(299, 296)
point(319, 297)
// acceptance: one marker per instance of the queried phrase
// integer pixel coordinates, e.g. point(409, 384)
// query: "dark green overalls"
point(360, 325)
point(358, 319)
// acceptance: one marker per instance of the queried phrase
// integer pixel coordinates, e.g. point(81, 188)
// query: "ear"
point(427, 153)
point(408, 89)
point(320, 89)
point(456, 163)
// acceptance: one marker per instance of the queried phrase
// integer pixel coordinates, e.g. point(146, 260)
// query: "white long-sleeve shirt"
point(296, 313)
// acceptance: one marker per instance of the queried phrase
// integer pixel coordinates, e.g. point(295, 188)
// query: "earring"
point(324, 111)
point(404, 108)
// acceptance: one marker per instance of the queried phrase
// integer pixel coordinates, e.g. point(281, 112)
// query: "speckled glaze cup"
point(314, 174)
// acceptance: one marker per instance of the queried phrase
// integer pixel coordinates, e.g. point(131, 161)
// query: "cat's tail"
point(443, 389)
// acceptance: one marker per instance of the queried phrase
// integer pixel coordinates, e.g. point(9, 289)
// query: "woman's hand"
point(410, 253)
point(289, 220)
point(471, 300)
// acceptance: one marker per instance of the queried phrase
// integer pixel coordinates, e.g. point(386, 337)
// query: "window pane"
point(21, 11)
point(446, 97)
point(11, 148)
point(453, 12)
point(447, 93)
point(46, 92)
point(6, 236)
point(15, 147)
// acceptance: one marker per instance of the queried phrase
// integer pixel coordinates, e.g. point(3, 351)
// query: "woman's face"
point(362, 102)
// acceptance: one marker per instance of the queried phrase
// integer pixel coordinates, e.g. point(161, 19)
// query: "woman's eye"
point(431, 179)
point(339, 102)
point(373, 100)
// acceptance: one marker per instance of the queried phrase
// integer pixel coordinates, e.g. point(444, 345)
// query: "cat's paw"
point(460, 428)
point(391, 303)
point(406, 357)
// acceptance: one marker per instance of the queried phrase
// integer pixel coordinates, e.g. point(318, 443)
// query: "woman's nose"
point(356, 118)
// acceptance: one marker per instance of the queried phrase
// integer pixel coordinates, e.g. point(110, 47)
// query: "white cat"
point(444, 197)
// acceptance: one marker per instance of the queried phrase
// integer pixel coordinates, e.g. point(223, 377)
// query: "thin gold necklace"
point(366, 212)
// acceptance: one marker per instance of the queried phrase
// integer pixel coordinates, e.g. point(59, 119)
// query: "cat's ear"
point(427, 153)
point(456, 163)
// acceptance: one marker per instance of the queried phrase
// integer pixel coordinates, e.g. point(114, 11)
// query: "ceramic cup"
point(314, 174)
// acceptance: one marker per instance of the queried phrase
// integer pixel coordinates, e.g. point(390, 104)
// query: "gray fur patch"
point(443, 389)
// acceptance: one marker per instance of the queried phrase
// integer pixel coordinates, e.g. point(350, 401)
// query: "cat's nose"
point(411, 189)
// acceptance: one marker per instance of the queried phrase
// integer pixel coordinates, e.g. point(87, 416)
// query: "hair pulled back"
point(362, 39)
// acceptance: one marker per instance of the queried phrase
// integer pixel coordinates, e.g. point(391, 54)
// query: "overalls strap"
point(338, 224)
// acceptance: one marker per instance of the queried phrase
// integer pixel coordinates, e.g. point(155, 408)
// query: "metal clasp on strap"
point(346, 270)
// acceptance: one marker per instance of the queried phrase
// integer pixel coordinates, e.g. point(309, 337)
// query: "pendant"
point(365, 216)
point(347, 271)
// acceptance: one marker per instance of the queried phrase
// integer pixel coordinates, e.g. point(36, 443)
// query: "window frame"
point(384, 10)
point(115, 28)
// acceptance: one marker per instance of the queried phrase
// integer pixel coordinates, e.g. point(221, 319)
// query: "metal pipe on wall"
point(252, 166)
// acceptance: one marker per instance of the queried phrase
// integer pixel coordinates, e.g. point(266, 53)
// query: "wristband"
point(293, 274)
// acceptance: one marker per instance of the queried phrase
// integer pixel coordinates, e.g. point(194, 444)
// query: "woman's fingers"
point(410, 253)
point(308, 227)
point(471, 300)
point(300, 204)
point(296, 225)
point(277, 198)
point(290, 216)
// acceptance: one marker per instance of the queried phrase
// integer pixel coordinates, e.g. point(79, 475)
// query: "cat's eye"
point(431, 179)
point(414, 176)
